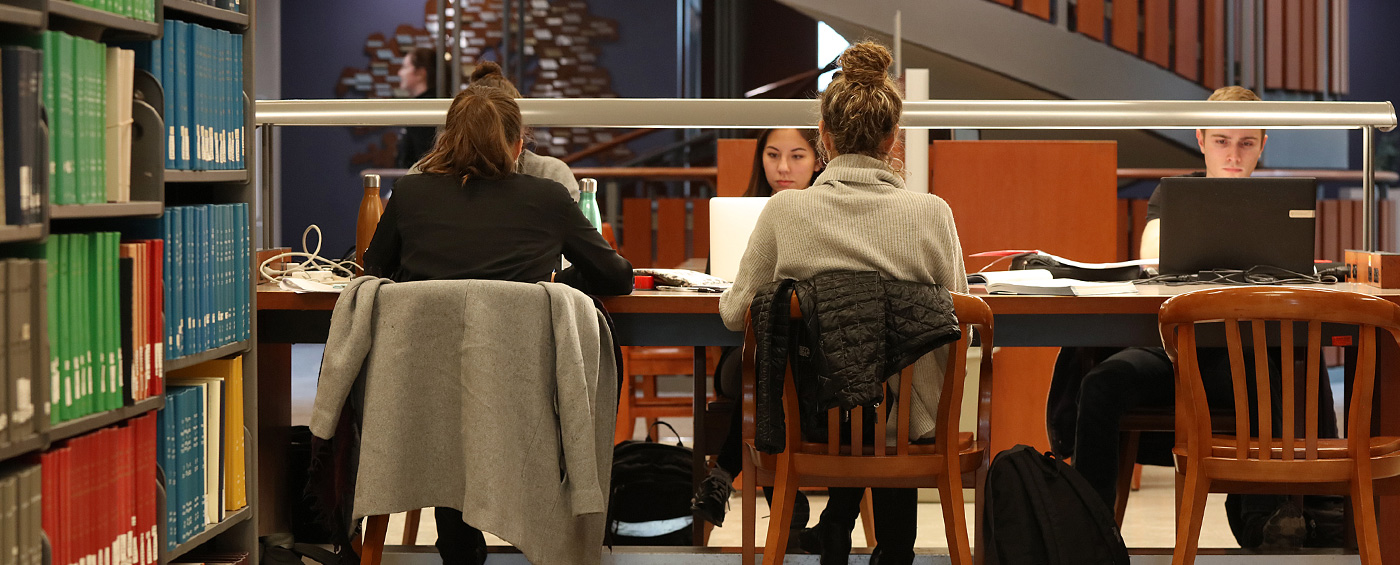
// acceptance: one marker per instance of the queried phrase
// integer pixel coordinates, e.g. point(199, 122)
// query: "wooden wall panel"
point(1341, 61)
point(1213, 55)
point(1037, 8)
point(1156, 24)
point(1089, 18)
point(700, 227)
point(1309, 46)
point(1125, 26)
point(1187, 62)
point(636, 231)
point(1293, 45)
point(734, 160)
point(1053, 185)
point(1273, 44)
point(670, 232)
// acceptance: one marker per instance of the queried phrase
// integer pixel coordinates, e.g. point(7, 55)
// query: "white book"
point(1039, 281)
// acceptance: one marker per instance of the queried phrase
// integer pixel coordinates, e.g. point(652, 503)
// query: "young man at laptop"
point(1142, 377)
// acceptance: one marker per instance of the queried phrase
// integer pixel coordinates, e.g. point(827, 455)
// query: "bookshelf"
point(21, 24)
point(21, 16)
point(109, 210)
point(175, 176)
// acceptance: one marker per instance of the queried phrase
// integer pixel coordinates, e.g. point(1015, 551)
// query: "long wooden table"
point(691, 319)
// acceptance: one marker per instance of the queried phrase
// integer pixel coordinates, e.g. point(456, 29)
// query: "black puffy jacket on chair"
point(858, 330)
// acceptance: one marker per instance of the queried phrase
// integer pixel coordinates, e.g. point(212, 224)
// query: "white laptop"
point(731, 222)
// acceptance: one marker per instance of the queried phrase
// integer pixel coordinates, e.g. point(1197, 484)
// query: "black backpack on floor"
point(649, 502)
point(1040, 511)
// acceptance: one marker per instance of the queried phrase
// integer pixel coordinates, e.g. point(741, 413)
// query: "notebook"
point(1237, 224)
point(731, 222)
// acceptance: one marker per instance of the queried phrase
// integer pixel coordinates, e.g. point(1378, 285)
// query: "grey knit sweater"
point(857, 216)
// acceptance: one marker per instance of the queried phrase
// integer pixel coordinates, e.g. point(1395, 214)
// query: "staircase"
point(1120, 50)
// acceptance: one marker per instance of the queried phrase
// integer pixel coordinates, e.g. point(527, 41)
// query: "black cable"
point(1256, 275)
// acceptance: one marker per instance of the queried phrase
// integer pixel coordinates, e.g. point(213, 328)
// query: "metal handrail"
point(935, 114)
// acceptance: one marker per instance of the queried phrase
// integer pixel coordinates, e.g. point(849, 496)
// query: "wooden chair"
point(1276, 461)
point(638, 397)
point(941, 464)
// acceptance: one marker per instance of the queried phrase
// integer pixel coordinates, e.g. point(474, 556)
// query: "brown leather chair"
point(1272, 462)
point(942, 464)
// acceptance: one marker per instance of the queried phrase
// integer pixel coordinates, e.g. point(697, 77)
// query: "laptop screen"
point(1237, 223)
point(731, 222)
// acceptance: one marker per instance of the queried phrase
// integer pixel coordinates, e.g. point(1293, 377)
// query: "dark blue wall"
point(321, 37)
point(1375, 70)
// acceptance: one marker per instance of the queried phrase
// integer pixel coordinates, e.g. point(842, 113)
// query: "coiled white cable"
point(314, 261)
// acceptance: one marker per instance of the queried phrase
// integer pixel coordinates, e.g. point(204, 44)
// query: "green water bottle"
point(588, 202)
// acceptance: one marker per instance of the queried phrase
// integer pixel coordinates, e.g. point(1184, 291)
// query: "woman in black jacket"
point(471, 216)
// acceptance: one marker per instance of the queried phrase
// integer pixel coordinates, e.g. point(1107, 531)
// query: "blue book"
point(169, 437)
point(190, 277)
point(202, 250)
point(172, 94)
point(183, 76)
point(175, 273)
point(198, 461)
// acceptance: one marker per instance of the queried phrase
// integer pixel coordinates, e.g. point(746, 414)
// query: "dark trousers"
point(458, 542)
point(1141, 377)
point(896, 518)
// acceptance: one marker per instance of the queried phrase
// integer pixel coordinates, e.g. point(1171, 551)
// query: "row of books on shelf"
point(25, 158)
point(201, 71)
point(232, 5)
point(24, 358)
point(208, 270)
point(202, 447)
point(84, 323)
point(99, 496)
point(143, 10)
point(87, 88)
point(21, 515)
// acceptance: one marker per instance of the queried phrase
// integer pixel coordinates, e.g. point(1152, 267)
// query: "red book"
point(48, 468)
point(157, 321)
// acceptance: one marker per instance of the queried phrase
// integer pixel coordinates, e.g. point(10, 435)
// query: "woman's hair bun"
point(866, 63)
point(485, 69)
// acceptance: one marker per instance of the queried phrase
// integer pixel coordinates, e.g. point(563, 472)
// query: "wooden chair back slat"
point(857, 438)
point(1310, 415)
point(1363, 386)
point(1262, 388)
point(881, 419)
point(833, 422)
point(1241, 394)
point(1288, 384)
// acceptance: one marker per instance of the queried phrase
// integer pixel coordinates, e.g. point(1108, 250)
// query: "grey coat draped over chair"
point(483, 396)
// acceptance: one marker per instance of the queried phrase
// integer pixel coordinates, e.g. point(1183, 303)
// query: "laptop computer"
point(1237, 223)
point(731, 222)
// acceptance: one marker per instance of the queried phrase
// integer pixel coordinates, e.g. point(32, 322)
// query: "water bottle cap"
point(371, 181)
point(588, 185)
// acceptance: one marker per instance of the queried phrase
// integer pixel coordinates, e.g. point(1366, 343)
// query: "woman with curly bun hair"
point(858, 216)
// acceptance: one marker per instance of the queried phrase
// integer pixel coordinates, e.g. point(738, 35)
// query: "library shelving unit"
point(21, 23)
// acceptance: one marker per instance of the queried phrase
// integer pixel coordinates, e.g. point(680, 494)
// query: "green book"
point(63, 130)
point(48, 97)
point(63, 248)
point(99, 123)
point(96, 321)
point(113, 331)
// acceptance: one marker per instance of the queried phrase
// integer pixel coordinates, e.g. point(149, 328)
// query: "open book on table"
point(1040, 281)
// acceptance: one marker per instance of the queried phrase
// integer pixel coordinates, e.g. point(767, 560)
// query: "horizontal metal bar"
point(937, 114)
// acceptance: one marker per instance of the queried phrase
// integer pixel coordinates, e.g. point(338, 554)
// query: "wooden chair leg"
point(1363, 503)
point(780, 513)
point(411, 520)
point(375, 530)
point(626, 422)
point(1127, 460)
point(950, 497)
point(749, 505)
point(1137, 477)
point(867, 517)
point(1190, 514)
